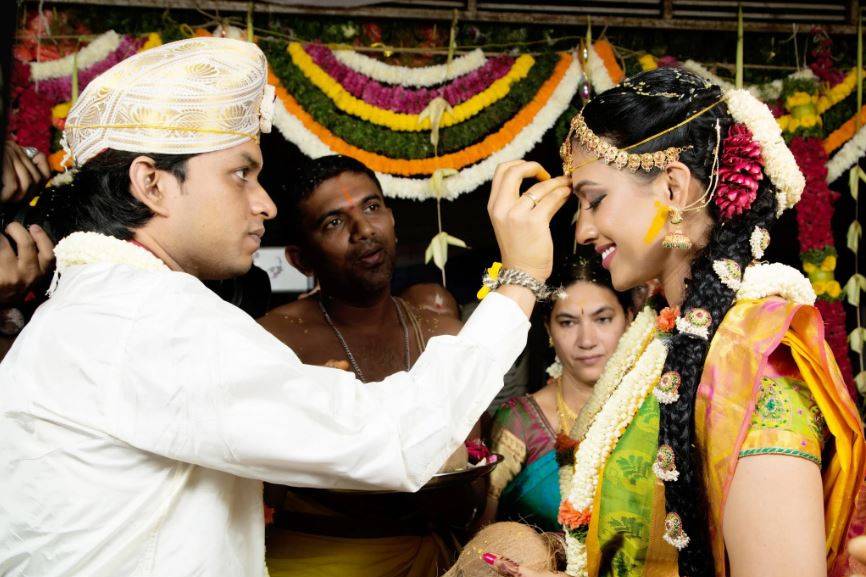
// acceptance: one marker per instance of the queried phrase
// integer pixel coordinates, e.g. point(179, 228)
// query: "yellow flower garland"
point(804, 112)
point(838, 93)
point(406, 122)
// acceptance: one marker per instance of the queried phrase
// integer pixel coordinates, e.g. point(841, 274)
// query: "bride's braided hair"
point(643, 106)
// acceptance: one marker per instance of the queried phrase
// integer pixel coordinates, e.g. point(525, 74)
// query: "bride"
point(721, 439)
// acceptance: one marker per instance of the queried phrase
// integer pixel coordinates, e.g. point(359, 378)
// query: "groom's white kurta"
point(139, 414)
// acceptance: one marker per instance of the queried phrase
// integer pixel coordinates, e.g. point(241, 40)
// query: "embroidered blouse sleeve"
point(786, 421)
point(507, 440)
point(200, 381)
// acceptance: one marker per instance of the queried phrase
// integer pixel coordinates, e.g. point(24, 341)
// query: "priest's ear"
point(149, 185)
point(295, 256)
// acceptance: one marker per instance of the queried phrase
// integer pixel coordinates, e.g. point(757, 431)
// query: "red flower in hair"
point(740, 171)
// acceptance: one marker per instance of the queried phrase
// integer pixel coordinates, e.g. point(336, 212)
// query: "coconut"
point(516, 541)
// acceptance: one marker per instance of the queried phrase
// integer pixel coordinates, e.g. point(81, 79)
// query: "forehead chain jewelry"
point(621, 158)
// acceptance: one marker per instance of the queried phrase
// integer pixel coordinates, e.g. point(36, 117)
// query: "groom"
point(139, 413)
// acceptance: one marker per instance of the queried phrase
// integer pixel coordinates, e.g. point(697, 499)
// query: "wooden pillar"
point(472, 8)
point(668, 9)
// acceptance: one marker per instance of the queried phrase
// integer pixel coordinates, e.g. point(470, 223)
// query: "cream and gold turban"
point(186, 97)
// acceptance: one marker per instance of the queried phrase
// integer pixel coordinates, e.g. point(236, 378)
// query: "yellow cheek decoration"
point(658, 222)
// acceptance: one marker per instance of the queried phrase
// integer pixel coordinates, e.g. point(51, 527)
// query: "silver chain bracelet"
point(513, 276)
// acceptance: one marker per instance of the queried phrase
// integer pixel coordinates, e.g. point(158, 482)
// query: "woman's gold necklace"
point(566, 415)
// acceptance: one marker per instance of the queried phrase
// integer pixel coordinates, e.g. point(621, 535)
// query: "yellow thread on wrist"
point(493, 274)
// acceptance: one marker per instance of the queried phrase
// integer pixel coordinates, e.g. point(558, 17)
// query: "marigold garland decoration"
point(400, 121)
point(427, 166)
point(410, 145)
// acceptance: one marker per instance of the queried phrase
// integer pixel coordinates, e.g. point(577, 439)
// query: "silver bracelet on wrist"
point(513, 276)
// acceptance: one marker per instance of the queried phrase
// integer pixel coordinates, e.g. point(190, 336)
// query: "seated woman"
point(584, 329)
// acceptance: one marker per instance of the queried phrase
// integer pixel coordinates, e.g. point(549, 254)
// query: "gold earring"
point(550, 341)
point(676, 239)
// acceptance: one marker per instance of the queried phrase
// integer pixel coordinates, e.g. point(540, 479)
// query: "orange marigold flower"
point(667, 319)
point(572, 518)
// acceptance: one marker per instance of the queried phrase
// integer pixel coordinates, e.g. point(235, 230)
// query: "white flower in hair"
point(759, 241)
point(779, 162)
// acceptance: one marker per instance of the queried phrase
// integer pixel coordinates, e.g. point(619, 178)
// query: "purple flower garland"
point(403, 100)
point(57, 90)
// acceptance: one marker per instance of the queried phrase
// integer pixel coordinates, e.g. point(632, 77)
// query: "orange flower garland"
point(605, 51)
point(844, 133)
point(456, 160)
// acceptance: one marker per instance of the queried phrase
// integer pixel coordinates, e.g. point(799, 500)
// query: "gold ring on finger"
point(532, 199)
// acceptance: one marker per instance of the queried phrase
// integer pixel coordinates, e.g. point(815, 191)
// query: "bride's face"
point(617, 212)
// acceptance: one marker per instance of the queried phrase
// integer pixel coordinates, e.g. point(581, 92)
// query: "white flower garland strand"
point(779, 162)
point(630, 345)
point(613, 419)
point(94, 52)
point(776, 279)
point(469, 178)
point(847, 156)
point(408, 76)
point(81, 248)
point(597, 72)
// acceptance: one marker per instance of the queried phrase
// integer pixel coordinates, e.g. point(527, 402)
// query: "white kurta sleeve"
point(200, 381)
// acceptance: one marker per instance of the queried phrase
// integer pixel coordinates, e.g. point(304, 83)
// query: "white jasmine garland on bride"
point(629, 392)
point(601, 438)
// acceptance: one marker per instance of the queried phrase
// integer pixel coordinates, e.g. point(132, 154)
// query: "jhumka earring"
point(676, 239)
